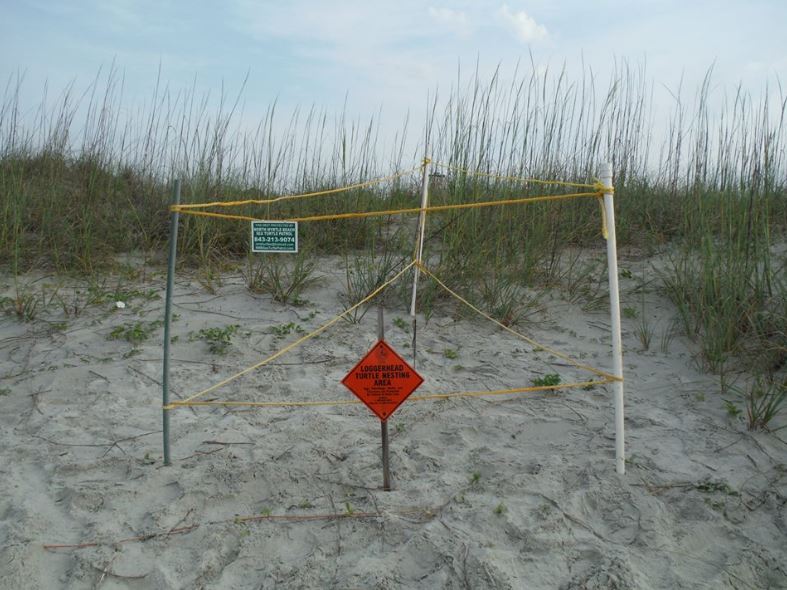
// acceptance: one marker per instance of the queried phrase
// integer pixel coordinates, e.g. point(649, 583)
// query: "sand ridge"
point(508, 492)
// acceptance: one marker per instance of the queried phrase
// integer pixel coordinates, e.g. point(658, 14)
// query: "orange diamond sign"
point(382, 380)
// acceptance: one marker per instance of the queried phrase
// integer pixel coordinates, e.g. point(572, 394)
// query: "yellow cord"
point(366, 214)
point(184, 208)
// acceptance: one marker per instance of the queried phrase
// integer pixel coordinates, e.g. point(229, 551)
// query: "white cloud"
point(524, 27)
point(454, 20)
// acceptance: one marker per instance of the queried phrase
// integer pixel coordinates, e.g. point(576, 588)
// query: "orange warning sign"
point(382, 380)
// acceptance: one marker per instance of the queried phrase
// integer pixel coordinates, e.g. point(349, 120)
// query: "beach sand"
point(516, 491)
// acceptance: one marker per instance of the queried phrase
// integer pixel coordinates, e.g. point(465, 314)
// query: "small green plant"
point(507, 301)
point(500, 509)
point(667, 336)
point(548, 380)
point(135, 332)
point(218, 339)
point(99, 293)
point(709, 486)
point(25, 304)
point(451, 353)
point(763, 400)
point(475, 478)
point(630, 313)
point(209, 276)
point(363, 275)
point(348, 509)
point(733, 411)
point(283, 279)
point(401, 324)
point(305, 505)
point(5, 391)
point(644, 333)
point(625, 273)
point(286, 329)
point(585, 283)
point(265, 511)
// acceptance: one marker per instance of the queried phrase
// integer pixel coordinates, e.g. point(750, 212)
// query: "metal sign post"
point(382, 380)
point(173, 250)
point(384, 423)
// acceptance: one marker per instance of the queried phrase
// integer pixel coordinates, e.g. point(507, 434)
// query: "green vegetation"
point(762, 401)
point(548, 380)
point(285, 280)
point(286, 329)
point(25, 305)
point(218, 339)
point(135, 332)
point(401, 324)
point(451, 353)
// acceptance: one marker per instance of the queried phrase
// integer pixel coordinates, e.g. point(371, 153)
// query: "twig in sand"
point(201, 454)
point(109, 446)
point(181, 521)
point(238, 519)
point(34, 398)
point(106, 571)
point(99, 375)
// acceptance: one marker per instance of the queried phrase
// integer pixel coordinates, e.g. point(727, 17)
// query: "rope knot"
point(602, 188)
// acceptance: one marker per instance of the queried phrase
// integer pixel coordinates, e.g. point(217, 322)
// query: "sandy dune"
point(507, 492)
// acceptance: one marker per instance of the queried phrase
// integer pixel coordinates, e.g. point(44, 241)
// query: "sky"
point(381, 56)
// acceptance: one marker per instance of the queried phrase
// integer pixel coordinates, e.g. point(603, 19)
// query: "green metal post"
point(173, 249)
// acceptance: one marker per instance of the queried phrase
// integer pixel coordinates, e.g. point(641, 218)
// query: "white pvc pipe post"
point(605, 176)
point(421, 231)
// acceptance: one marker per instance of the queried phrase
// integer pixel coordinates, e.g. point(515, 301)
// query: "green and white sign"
point(274, 236)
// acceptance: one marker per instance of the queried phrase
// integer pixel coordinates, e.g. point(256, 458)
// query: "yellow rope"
point(604, 230)
point(286, 349)
point(365, 214)
point(595, 185)
point(599, 190)
point(332, 191)
point(606, 377)
point(530, 341)
point(412, 398)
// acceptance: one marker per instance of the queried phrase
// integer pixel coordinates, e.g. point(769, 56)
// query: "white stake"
point(421, 232)
point(605, 176)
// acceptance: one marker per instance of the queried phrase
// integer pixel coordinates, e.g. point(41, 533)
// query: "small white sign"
point(274, 236)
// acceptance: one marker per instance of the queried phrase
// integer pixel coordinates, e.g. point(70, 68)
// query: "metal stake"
point(173, 248)
point(384, 423)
